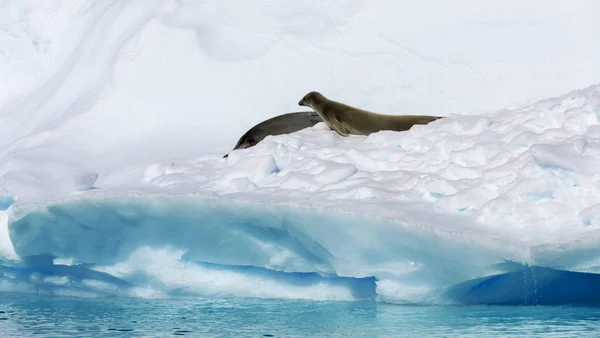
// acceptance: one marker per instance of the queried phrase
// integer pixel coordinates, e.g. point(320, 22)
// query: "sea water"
point(42, 316)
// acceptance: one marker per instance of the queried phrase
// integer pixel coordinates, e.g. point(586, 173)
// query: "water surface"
point(43, 316)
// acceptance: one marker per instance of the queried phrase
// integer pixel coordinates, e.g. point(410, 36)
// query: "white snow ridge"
point(116, 115)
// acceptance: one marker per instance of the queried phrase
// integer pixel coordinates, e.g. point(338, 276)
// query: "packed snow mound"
point(530, 172)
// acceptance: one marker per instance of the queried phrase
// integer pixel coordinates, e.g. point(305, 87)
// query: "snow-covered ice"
point(116, 116)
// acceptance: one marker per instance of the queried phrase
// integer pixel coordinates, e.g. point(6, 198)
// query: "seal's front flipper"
point(338, 127)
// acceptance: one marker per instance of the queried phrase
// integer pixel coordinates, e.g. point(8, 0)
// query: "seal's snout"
point(301, 102)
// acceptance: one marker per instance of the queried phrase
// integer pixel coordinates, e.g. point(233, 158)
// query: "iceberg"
point(406, 217)
point(116, 116)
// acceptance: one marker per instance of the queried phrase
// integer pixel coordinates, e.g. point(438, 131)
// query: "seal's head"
point(246, 141)
point(311, 99)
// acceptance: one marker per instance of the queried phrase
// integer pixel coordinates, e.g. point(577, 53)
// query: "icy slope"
point(515, 171)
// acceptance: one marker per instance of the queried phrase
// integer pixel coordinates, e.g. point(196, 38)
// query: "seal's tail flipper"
point(427, 119)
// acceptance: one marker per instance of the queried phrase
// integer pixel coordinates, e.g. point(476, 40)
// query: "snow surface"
point(115, 116)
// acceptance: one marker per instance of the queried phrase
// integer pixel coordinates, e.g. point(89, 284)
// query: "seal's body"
point(346, 119)
point(282, 124)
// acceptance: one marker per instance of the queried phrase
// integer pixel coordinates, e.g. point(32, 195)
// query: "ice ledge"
point(106, 229)
point(413, 255)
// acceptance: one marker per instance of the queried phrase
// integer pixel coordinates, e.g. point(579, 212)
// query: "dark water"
point(42, 316)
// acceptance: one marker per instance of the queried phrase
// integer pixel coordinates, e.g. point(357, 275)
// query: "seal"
point(282, 124)
point(345, 119)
